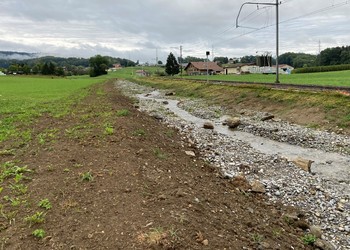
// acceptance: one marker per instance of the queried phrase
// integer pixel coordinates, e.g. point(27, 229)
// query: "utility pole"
point(277, 29)
point(319, 53)
point(277, 43)
point(156, 56)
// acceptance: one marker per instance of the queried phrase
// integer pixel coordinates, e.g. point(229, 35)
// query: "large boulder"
point(302, 163)
point(208, 125)
point(233, 122)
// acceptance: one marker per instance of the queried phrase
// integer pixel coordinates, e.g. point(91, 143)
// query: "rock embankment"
point(324, 201)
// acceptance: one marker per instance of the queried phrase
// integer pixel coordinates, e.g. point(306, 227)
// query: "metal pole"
point(207, 69)
point(277, 29)
point(181, 60)
point(277, 43)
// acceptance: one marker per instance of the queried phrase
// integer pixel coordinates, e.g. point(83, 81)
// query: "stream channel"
point(329, 166)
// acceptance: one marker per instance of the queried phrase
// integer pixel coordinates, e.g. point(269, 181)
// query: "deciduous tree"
point(98, 65)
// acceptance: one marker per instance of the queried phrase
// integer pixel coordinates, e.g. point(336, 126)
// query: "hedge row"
point(322, 69)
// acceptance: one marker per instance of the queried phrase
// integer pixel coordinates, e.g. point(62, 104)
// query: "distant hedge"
point(322, 69)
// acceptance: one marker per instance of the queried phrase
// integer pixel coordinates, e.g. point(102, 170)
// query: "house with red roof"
point(201, 68)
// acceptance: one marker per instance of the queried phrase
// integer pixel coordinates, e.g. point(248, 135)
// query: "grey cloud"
point(136, 28)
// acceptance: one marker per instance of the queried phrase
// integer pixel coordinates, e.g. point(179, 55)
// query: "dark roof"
point(203, 66)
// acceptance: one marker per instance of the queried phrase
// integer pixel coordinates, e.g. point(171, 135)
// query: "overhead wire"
point(288, 20)
point(246, 19)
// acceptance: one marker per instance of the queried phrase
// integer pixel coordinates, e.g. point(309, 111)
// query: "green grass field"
point(24, 98)
point(338, 78)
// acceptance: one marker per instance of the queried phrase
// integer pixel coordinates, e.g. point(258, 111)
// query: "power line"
point(288, 20)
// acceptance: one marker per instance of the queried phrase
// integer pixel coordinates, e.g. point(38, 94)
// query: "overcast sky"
point(144, 29)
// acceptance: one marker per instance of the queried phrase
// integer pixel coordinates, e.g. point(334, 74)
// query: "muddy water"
point(328, 165)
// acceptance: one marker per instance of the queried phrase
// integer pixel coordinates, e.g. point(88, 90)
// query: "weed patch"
point(123, 112)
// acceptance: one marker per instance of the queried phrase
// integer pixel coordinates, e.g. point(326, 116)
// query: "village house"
point(201, 68)
point(115, 67)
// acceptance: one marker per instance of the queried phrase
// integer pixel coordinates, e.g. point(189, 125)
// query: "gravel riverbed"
point(324, 200)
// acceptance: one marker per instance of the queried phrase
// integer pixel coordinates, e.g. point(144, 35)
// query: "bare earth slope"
point(119, 179)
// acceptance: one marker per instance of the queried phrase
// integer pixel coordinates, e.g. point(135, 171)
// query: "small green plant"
point(257, 238)
point(14, 201)
point(309, 239)
point(108, 130)
point(77, 165)
point(86, 176)
point(123, 112)
point(50, 168)
point(6, 152)
point(161, 155)
point(39, 233)
point(36, 218)
point(170, 133)
point(276, 233)
point(45, 203)
point(10, 169)
point(19, 188)
point(139, 132)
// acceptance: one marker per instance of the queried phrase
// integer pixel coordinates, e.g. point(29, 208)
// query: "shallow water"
point(328, 165)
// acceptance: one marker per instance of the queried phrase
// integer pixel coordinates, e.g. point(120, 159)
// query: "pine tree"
point(171, 66)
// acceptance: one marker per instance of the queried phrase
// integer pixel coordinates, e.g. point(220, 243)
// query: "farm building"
point(200, 68)
point(240, 68)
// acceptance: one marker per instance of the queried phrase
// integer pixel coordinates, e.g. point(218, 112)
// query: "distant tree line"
point(60, 66)
point(327, 57)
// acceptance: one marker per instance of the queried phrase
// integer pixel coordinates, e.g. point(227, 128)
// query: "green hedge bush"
point(321, 69)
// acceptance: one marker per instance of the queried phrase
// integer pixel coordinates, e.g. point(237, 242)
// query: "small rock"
point(341, 206)
point(302, 224)
point(169, 93)
point(316, 230)
point(324, 245)
point(291, 217)
point(267, 117)
point(158, 116)
point(165, 102)
point(190, 153)
point(162, 197)
point(258, 187)
point(208, 125)
point(264, 245)
point(205, 242)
